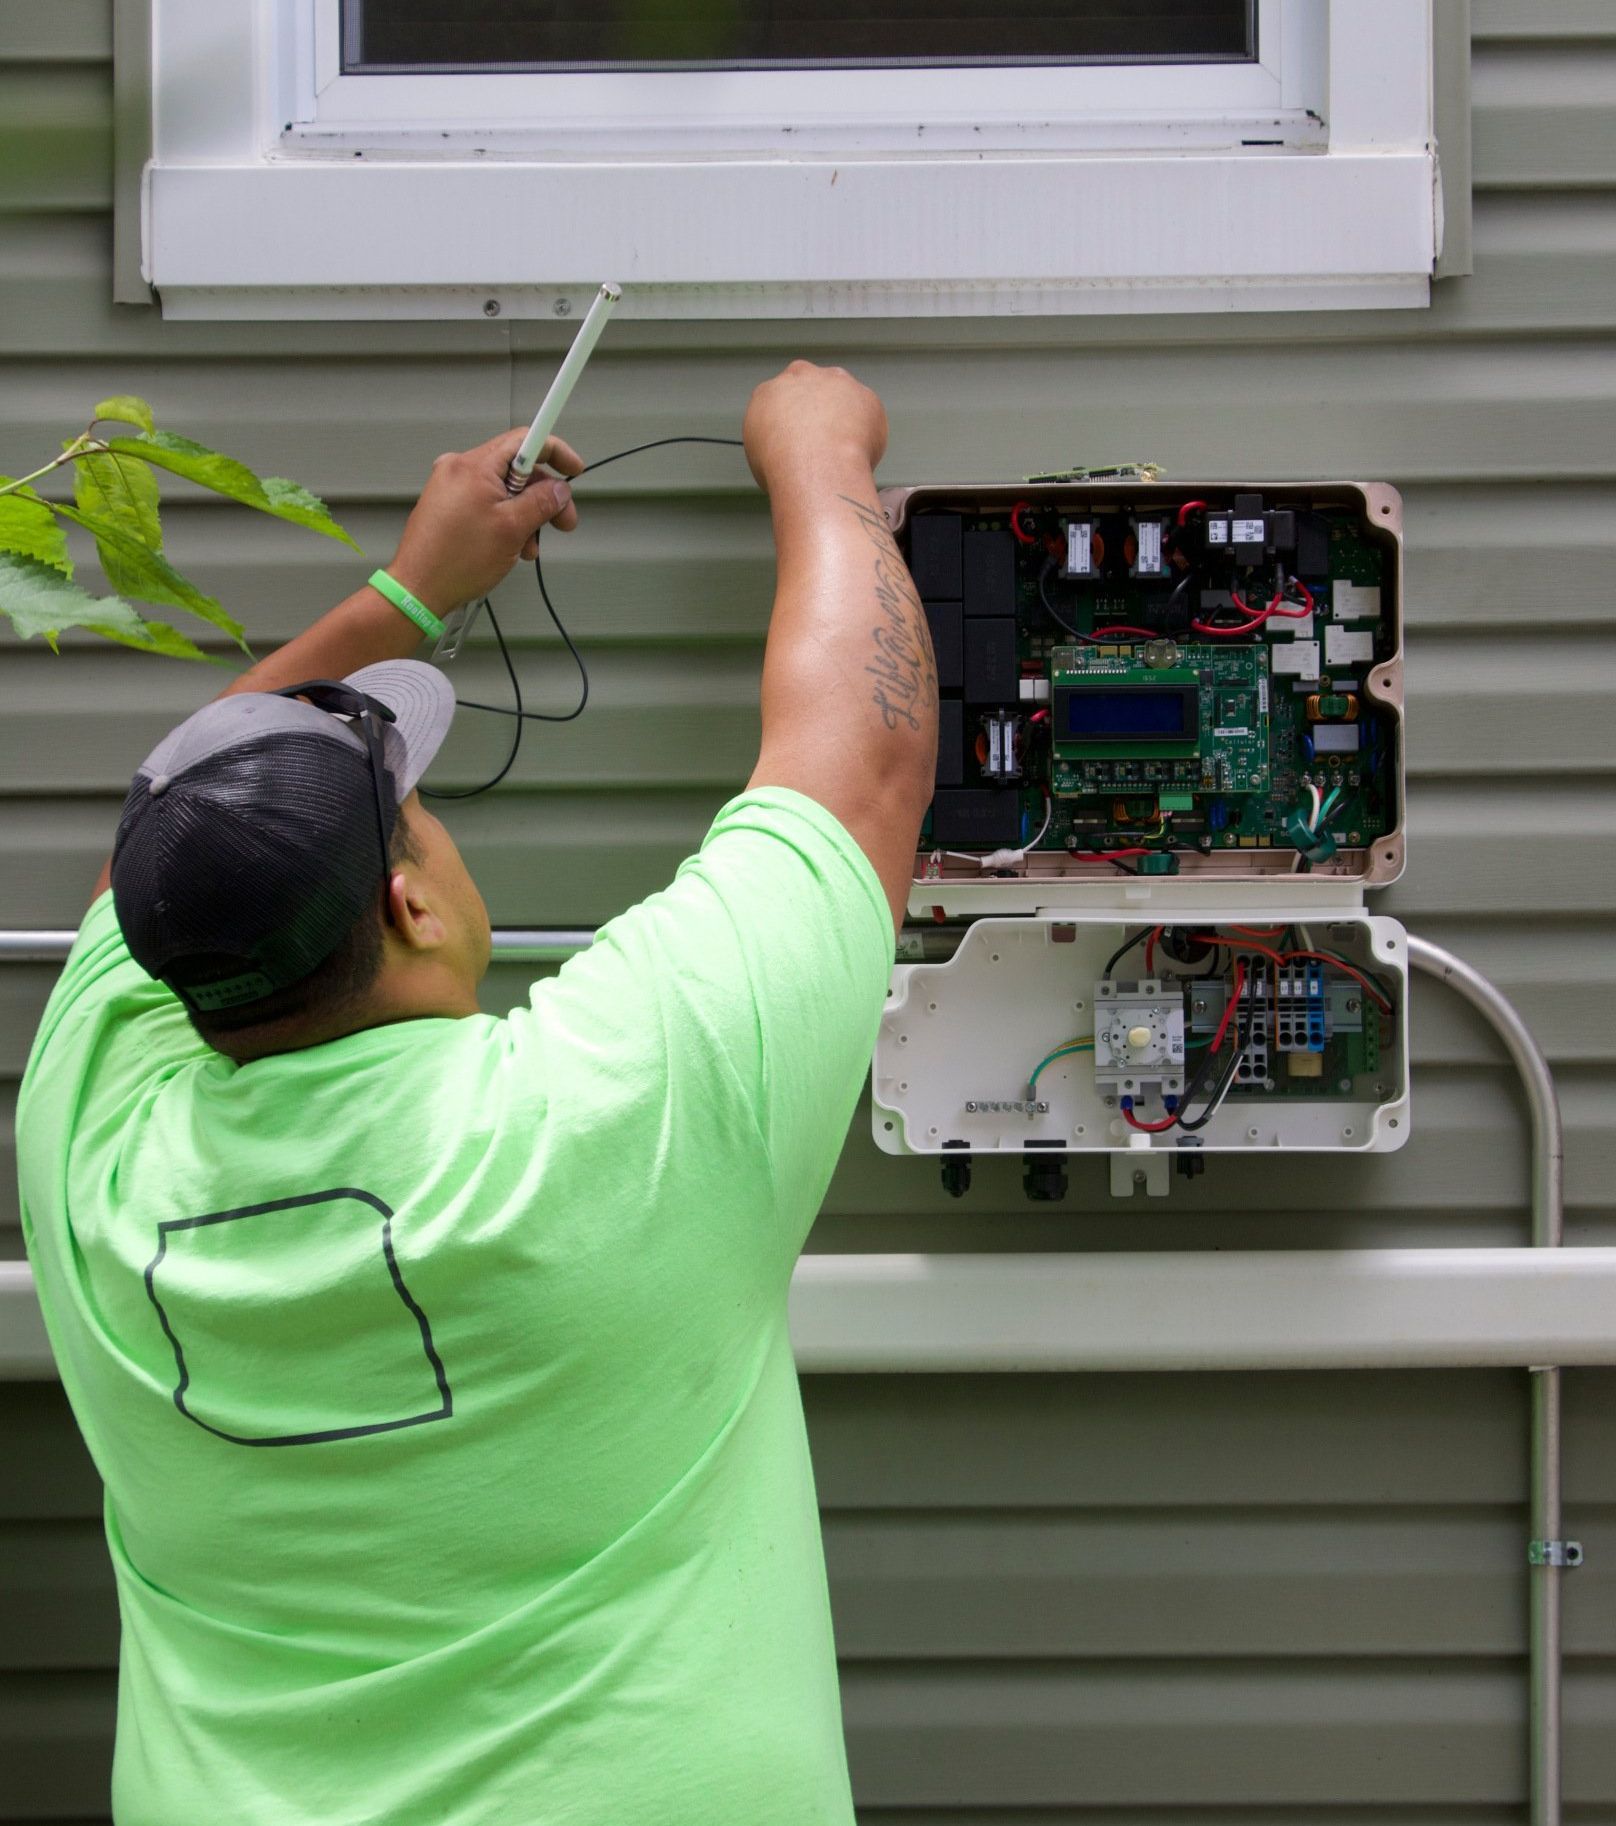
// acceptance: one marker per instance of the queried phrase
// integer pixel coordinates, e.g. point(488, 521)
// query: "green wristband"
point(406, 604)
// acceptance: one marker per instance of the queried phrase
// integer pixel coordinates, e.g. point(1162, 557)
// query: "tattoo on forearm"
point(903, 666)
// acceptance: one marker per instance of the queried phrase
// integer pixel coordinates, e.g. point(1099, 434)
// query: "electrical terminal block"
point(1300, 1016)
point(1253, 1028)
point(1315, 1012)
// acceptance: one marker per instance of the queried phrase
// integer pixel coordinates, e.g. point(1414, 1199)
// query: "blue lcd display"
point(1133, 715)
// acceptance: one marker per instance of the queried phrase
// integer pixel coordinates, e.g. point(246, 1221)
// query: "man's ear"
point(415, 921)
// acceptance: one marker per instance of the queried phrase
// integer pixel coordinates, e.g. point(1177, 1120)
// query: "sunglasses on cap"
point(367, 715)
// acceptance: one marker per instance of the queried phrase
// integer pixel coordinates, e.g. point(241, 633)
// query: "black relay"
point(934, 556)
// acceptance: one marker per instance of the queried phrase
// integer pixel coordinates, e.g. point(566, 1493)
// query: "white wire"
point(1009, 859)
point(1228, 1086)
point(1318, 809)
point(1043, 829)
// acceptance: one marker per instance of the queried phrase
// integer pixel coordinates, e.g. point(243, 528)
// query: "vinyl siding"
point(1170, 1601)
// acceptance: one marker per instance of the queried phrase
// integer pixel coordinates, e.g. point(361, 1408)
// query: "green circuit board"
point(1232, 755)
point(1279, 707)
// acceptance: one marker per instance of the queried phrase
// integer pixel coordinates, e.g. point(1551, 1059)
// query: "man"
point(437, 1365)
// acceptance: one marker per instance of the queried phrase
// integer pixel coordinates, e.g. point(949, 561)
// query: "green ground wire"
point(1060, 1052)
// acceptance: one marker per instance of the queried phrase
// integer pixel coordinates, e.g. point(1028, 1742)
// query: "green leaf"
point(225, 476)
point(40, 600)
point(159, 637)
point(127, 409)
point(121, 489)
point(140, 571)
point(292, 501)
point(28, 526)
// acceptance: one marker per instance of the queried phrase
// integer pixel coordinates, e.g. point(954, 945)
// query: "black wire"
point(658, 443)
point(1223, 1083)
point(1179, 590)
point(1051, 611)
point(523, 716)
point(1124, 948)
point(536, 716)
point(1192, 1085)
point(471, 792)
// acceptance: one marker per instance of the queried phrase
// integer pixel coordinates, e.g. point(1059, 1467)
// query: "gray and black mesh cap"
point(248, 847)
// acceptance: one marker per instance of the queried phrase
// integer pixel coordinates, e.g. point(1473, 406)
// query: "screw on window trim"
point(490, 307)
point(562, 307)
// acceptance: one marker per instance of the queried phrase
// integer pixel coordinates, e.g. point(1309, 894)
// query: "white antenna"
point(548, 415)
point(527, 457)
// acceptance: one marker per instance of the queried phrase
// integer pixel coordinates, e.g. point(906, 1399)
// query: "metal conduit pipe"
point(1547, 1554)
point(512, 945)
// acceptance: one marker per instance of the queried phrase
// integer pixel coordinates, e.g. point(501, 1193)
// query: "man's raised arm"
point(849, 681)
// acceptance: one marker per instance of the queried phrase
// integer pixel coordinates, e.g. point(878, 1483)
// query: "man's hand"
point(465, 532)
point(462, 537)
point(809, 418)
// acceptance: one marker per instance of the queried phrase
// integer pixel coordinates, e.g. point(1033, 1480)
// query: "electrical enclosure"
point(1171, 724)
point(961, 1036)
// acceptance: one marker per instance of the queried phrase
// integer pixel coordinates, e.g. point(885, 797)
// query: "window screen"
point(386, 37)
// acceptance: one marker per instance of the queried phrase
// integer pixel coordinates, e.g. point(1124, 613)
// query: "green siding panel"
point(1543, 112)
point(55, 136)
point(1151, 1601)
point(1077, 1593)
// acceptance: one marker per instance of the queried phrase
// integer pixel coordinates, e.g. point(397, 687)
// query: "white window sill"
point(1147, 233)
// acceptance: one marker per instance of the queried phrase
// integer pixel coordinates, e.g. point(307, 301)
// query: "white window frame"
point(1306, 179)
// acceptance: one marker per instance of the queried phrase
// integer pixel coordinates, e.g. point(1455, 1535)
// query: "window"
point(788, 157)
point(394, 37)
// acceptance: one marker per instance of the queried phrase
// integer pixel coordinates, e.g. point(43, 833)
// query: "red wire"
point(1269, 608)
point(1234, 1002)
point(1276, 606)
point(1150, 949)
point(1150, 1128)
point(1187, 509)
point(1144, 633)
point(1017, 528)
point(1260, 931)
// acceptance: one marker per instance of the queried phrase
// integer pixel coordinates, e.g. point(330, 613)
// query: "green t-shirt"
point(439, 1376)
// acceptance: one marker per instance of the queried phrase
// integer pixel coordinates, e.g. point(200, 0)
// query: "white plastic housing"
point(969, 1030)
